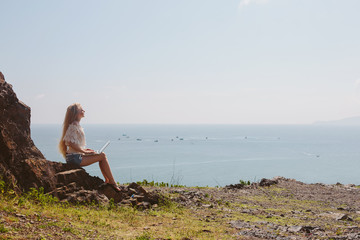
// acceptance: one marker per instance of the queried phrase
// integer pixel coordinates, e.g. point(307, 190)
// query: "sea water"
point(218, 155)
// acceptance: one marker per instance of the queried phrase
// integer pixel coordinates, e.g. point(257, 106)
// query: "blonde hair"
point(70, 116)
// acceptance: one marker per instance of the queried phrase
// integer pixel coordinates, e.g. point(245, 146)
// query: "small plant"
point(5, 188)
point(40, 197)
point(3, 229)
point(242, 182)
point(111, 205)
point(157, 184)
point(144, 236)
point(68, 229)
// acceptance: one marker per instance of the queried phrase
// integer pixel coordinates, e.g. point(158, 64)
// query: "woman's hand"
point(89, 151)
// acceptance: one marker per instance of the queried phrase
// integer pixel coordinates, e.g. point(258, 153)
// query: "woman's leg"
point(103, 163)
point(103, 173)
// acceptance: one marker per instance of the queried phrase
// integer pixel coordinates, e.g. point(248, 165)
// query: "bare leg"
point(103, 163)
point(103, 173)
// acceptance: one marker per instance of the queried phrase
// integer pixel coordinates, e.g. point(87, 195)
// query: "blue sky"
point(152, 61)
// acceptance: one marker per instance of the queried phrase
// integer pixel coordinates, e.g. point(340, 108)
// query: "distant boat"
point(181, 139)
point(138, 139)
point(156, 141)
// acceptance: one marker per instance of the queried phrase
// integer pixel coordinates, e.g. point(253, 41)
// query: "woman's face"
point(81, 113)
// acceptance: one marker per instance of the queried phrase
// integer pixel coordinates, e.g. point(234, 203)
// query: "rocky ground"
point(271, 209)
point(278, 209)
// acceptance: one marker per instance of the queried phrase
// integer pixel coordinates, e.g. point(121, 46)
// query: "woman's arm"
point(79, 149)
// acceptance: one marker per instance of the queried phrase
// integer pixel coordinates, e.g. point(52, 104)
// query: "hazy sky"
point(203, 61)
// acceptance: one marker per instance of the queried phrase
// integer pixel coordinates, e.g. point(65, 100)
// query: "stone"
point(208, 206)
point(136, 188)
point(111, 193)
point(267, 182)
point(139, 198)
point(240, 224)
point(87, 197)
point(146, 205)
point(306, 229)
point(342, 217)
point(235, 186)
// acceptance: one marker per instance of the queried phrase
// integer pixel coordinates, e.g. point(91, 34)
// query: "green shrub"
point(242, 182)
point(157, 184)
point(40, 197)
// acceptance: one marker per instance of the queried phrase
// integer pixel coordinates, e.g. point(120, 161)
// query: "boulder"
point(108, 191)
point(267, 182)
point(23, 166)
point(87, 197)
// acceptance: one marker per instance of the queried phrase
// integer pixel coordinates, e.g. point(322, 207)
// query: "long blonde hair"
point(71, 114)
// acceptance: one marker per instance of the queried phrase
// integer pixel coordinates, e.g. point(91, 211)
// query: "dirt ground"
point(271, 209)
point(281, 209)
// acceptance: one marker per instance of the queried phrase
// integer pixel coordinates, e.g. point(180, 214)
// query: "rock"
point(139, 198)
point(240, 224)
point(23, 166)
point(86, 197)
point(126, 202)
point(110, 193)
point(208, 206)
point(62, 192)
point(79, 176)
point(137, 188)
point(267, 182)
point(306, 229)
point(146, 205)
point(235, 186)
point(343, 217)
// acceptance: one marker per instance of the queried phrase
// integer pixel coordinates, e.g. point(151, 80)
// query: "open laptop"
point(103, 147)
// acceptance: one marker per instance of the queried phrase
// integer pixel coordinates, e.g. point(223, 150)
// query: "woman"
point(72, 145)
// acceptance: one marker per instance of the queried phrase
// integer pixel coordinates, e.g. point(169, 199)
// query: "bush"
point(242, 182)
point(5, 188)
point(39, 196)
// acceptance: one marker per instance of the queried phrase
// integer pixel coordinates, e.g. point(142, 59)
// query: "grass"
point(44, 217)
point(35, 215)
point(147, 183)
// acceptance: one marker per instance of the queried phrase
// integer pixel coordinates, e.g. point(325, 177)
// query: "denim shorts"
point(74, 158)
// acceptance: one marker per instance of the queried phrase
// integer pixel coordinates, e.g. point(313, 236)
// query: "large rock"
point(21, 162)
point(23, 166)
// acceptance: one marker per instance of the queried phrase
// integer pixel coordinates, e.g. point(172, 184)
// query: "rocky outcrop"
point(23, 166)
point(17, 150)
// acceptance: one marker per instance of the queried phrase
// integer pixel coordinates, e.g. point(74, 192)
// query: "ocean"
point(218, 155)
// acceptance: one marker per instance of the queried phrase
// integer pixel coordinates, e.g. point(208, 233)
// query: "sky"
point(184, 62)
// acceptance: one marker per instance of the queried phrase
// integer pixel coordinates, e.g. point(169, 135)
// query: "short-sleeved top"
point(75, 134)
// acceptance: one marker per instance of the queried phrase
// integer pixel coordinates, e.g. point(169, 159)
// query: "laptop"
point(103, 147)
